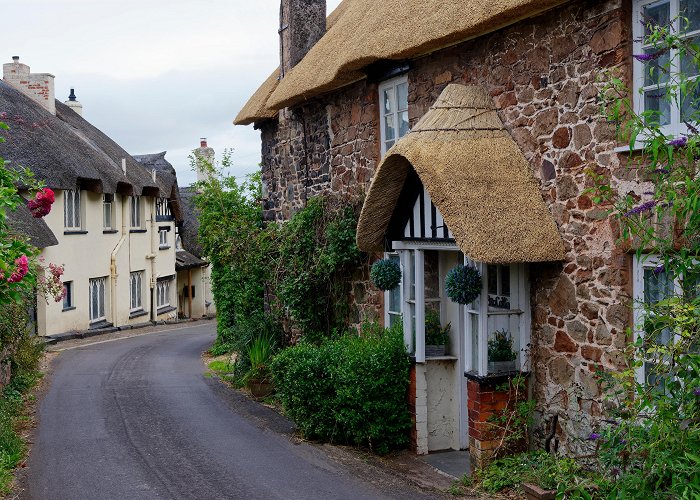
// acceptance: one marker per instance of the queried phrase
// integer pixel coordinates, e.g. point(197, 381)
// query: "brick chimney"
point(203, 155)
point(73, 103)
point(302, 24)
point(38, 86)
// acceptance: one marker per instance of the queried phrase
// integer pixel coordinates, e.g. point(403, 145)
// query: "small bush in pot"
point(385, 274)
point(463, 284)
point(501, 355)
point(437, 337)
point(258, 379)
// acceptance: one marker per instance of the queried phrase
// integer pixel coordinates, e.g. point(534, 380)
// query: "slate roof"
point(185, 260)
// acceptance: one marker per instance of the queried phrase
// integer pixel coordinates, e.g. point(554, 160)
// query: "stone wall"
point(542, 75)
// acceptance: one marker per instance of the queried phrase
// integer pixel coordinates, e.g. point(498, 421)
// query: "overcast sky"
point(154, 75)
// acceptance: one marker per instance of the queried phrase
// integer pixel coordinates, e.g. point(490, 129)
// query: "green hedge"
point(350, 390)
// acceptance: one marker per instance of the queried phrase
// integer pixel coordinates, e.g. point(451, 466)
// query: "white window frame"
point(68, 299)
point(136, 291)
point(108, 211)
point(135, 212)
point(391, 85)
point(71, 200)
point(97, 308)
point(641, 263)
point(163, 209)
point(387, 294)
point(520, 306)
point(163, 238)
point(163, 289)
point(675, 127)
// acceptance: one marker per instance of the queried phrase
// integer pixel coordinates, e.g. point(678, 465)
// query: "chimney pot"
point(72, 97)
point(15, 58)
point(203, 142)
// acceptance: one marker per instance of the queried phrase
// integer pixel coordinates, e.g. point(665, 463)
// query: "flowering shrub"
point(649, 444)
point(40, 206)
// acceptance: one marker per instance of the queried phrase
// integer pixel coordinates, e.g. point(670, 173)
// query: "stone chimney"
point(73, 103)
point(302, 24)
point(204, 156)
point(38, 86)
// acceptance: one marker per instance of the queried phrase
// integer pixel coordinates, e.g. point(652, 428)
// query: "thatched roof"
point(185, 260)
point(189, 227)
point(477, 177)
point(256, 108)
point(38, 232)
point(369, 31)
point(66, 151)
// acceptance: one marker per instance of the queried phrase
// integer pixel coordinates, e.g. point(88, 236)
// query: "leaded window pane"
point(656, 14)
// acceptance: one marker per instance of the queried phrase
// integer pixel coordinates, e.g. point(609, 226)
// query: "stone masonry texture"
point(542, 74)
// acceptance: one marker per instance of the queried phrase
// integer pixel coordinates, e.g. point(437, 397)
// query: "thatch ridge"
point(477, 177)
point(370, 31)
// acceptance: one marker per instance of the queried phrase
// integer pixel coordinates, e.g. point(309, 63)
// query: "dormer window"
point(393, 99)
point(135, 212)
point(72, 210)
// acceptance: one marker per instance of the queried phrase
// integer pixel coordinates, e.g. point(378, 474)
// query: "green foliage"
point(463, 284)
point(24, 360)
point(385, 274)
point(547, 471)
point(348, 390)
point(512, 424)
point(650, 445)
point(501, 346)
point(317, 254)
point(260, 353)
point(435, 333)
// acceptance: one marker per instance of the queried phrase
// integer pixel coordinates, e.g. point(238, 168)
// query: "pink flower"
point(3, 115)
point(21, 270)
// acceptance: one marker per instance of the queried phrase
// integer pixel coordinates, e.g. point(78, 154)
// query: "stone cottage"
point(470, 126)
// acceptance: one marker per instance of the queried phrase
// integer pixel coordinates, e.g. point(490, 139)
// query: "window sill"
point(71, 308)
point(76, 231)
point(137, 313)
point(164, 248)
point(165, 309)
point(495, 378)
point(100, 323)
point(110, 231)
point(138, 230)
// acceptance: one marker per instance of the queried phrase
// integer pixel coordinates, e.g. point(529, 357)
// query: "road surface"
point(137, 419)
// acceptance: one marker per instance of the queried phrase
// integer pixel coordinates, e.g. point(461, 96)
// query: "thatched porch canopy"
point(477, 177)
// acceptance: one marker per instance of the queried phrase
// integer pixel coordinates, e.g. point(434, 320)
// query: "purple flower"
point(623, 441)
point(594, 436)
point(697, 391)
point(679, 142)
point(647, 57)
point(659, 269)
point(661, 171)
point(644, 207)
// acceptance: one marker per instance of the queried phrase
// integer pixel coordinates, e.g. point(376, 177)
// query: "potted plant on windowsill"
point(501, 355)
point(437, 337)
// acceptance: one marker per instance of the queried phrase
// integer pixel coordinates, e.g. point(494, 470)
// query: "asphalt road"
point(137, 419)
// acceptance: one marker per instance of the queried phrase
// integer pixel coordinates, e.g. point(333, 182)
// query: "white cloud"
point(155, 74)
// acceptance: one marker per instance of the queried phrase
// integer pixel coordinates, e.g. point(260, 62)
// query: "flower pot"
point(534, 492)
point(432, 351)
point(501, 366)
point(259, 388)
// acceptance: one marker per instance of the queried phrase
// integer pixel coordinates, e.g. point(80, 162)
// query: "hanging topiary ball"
point(385, 274)
point(463, 284)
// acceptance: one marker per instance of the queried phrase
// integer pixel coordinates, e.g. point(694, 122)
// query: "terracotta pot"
point(259, 388)
point(534, 492)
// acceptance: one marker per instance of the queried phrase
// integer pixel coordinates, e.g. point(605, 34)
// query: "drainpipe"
point(189, 291)
point(152, 257)
point(113, 265)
